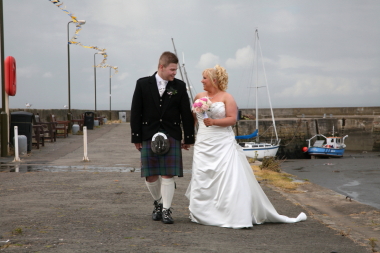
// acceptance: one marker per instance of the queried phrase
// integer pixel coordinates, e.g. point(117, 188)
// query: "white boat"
point(257, 149)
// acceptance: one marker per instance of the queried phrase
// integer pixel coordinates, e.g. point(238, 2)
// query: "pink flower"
point(205, 107)
point(201, 105)
point(197, 109)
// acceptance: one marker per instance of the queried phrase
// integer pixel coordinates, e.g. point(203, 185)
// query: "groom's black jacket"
point(150, 112)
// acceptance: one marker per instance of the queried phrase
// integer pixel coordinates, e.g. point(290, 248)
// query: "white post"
point(17, 158)
point(85, 157)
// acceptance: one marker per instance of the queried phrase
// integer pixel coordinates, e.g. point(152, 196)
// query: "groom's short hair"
point(166, 58)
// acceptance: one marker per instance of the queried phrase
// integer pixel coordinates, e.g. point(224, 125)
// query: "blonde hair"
point(219, 74)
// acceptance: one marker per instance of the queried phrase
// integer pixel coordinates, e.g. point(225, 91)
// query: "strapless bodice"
point(217, 111)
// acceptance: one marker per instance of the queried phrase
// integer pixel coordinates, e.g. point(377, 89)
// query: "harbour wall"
point(294, 125)
point(61, 114)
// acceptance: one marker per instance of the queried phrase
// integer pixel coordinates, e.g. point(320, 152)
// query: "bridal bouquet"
point(202, 105)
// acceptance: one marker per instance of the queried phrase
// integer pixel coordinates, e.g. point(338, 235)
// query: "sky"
point(316, 53)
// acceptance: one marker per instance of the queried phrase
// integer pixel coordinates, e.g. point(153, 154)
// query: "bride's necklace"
point(212, 96)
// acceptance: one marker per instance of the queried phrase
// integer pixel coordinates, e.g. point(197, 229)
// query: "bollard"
point(85, 157)
point(75, 129)
point(17, 157)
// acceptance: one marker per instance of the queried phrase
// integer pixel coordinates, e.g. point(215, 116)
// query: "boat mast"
point(266, 84)
point(175, 51)
point(257, 81)
point(184, 69)
point(187, 80)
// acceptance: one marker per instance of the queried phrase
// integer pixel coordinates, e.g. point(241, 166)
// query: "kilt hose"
point(169, 164)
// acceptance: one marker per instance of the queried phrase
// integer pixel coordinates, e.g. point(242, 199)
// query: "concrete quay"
point(59, 203)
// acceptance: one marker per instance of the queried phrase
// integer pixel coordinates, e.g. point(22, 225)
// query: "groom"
point(161, 105)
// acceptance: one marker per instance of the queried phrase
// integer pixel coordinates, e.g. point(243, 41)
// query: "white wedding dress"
point(223, 190)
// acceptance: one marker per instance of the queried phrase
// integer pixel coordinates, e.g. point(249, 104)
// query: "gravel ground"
point(96, 211)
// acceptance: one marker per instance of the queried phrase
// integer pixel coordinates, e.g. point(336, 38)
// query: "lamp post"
point(110, 93)
point(80, 22)
point(102, 53)
point(4, 113)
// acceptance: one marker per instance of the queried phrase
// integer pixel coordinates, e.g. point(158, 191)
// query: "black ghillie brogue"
point(166, 216)
point(157, 211)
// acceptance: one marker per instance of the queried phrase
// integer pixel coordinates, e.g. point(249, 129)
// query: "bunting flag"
point(74, 41)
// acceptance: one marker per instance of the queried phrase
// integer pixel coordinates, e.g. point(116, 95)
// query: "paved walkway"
point(58, 203)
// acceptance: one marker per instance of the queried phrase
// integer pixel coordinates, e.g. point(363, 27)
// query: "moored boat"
point(258, 149)
point(328, 147)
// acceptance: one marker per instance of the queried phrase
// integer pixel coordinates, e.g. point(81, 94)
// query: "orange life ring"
point(10, 75)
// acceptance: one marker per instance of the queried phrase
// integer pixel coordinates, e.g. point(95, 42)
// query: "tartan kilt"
point(169, 164)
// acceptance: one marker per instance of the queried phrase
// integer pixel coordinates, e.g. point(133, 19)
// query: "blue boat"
point(329, 147)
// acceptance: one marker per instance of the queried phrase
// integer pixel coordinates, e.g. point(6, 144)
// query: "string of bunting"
point(74, 41)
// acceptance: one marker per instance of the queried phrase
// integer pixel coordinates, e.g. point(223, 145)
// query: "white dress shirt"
point(161, 84)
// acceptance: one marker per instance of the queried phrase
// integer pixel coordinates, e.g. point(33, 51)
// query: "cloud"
point(47, 75)
point(351, 65)
point(27, 71)
point(282, 21)
point(310, 48)
point(287, 62)
point(308, 86)
point(208, 60)
point(121, 76)
point(229, 10)
point(243, 58)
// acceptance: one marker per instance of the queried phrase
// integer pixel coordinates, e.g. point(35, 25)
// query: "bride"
point(223, 190)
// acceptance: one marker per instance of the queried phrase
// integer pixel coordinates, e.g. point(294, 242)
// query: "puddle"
point(348, 192)
point(16, 168)
point(352, 183)
point(355, 156)
point(298, 181)
point(22, 168)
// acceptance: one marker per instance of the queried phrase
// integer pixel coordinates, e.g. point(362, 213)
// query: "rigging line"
point(295, 132)
point(266, 82)
point(243, 78)
point(266, 130)
point(250, 78)
point(192, 86)
point(175, 51)
point(263, 134)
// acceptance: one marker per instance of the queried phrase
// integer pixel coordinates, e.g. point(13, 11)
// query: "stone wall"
point(363, 132)
point(294, 125)
point(314, 112)
point(61, 114)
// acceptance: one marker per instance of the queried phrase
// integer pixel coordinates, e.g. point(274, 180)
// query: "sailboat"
point(257, 149)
